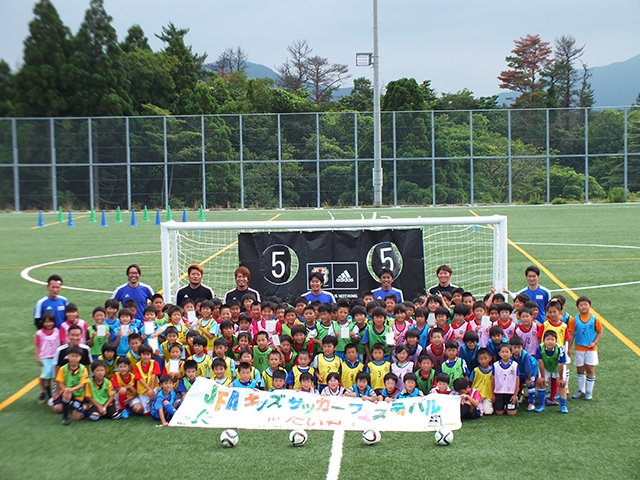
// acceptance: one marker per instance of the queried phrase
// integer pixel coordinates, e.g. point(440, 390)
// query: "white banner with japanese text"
point(210, 405)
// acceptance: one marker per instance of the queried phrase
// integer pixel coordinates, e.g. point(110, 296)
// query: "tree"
point(586, 97)
point(7, 91)
point(136, 40)
point(313, 73)
point(43, 84)
point(531, 57)
point(361, 97)
point(562, 72)
point(230, 60)
point(403, 95)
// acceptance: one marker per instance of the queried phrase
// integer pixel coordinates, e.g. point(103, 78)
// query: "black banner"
point(350, 261)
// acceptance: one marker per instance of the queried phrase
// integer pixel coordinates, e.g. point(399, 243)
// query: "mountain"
point(256, 70)
point(614, 85)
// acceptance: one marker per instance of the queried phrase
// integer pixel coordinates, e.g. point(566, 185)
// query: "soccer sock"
point(170, 411)
point(532, 395)
point(563, 402)
point(122, 398)
point(66, 405)
point(590, 382)
point(582, 380)
point(554, 388)
point(541, 396)
point(47, 389)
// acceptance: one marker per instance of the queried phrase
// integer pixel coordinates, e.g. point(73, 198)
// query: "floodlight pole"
point(377, 141)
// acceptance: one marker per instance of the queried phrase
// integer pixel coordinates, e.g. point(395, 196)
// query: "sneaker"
point(50, 402)
point(125, 413)
point(564, 409)
point(117, 416)
point(557, 396)
point(531, 407)
point(588, 396)
point(520, 398)
point(551, 403)
point(42, 399)
point(65, 421)
point(577, 395)
point(540, 409)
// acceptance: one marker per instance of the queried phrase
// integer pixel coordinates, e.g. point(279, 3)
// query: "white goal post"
point(474, 247)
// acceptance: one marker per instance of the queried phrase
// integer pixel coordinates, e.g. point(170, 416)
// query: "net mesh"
point(468, 249)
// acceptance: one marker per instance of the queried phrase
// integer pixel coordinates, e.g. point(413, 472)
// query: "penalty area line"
point(336, 455)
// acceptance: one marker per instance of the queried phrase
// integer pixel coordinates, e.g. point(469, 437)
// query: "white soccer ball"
point(444, 436)
point(298, 438)
point(229, 438)
point(371, 437)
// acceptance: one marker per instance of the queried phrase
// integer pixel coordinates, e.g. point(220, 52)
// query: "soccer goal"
point(474, 247)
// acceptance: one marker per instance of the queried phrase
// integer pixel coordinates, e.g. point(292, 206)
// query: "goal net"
point(474, 247)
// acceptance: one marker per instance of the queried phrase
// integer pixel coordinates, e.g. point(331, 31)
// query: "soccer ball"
point(298, 438)
point(444, 436)
point(229, 438)
point(371, 437)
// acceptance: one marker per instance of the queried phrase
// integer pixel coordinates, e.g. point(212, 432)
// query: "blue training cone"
point(103, 223)
point(70, 222)
point(184, 215)
point(40, 219)
point(133, 219)
point(158, 219)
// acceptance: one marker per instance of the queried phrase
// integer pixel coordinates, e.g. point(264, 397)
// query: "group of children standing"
point(492, 354)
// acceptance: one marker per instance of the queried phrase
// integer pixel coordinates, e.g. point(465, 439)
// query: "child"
point(469, 351)
point(390, 392)
point(414, 348)
point(459, 324)
point(279, 380)
point(350, 366)
point(378, 367)
point(529, 331)
point(110, 359)
point(586, 332)
point(376, 333)
point(482, 380)
point(123, 384)
point(226, 330)
point(261, 351)
point(480, 323)
point(306, 384)
point(203, 360)
point(453, 366)
point(436, 349)
point(554, 323)
point(300, 341)
point(442, 317)
point(173, 363)
point(124, 330)
point(506, 382)
point(528, 367)
point(290, 321)
point(135, 341)
point(171, 334)
point(97, 341)
point(274, 360)
point(333, 389)
point(359, 314)
point(551, 364)
point(505, 321)
point(362, 389)
point(426, 375)
point(243, 343)
point(146, 374)
point(244, 379)
point(293, 378)
point(71, 315)
point(410, 386)
point(342, 328)
point(47, 341)
point(442, 384)
point(326, 362)
point(288, 355)
point(219, 351)
point(99, 393)
point(400, 326)
point(470, 399)
point(166, 401)
point(402, 366)
point(190, 374)
point(421, 328)
point(71, 380)
point(207, 326)
point(244, 323)
point(497, 339)
point(111, 308)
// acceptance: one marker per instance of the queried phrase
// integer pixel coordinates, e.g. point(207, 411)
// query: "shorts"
point(503, 402)
point(551, 375)
point(112, 413)
point(75, 404)
point(582, 358)
point(47, 369)
point(487, 406)
point(143, 400)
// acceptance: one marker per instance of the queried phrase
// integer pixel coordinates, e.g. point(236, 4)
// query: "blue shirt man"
point(53, 302)
point(134, 289)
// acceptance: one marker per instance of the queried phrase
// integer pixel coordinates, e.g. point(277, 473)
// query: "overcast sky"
point(455, 43)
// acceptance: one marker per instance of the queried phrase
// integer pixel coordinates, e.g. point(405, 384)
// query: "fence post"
point(547, 155)
point(355, 152)
point(318, 159)
point(395, 163)
point(204, 164)
point(16, 168)
point(509, 153)
point(433, 159)
point(128, 138)
point(91, 179)
point(241, 164)
point(471, 199)
point(54, 172)
point(166, 164)
point(626, 153)
point(279, 164)
point(586, 155)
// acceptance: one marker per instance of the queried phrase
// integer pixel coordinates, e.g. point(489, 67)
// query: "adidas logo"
point(344, 277)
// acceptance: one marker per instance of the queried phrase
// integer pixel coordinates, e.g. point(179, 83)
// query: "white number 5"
point(275, 263)
point(384, 259)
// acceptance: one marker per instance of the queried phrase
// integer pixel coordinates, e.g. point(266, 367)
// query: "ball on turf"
point(298, 438)
point(444, 436)
point(371, 437)
point(229, 438)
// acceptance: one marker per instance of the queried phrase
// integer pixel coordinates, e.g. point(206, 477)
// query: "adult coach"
point(444, 273)
point(134, 289)
point(242, 276)
point(536, 292)
point(54, 302)
point(386, 288)
point(316, 280)
point(195, 289)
